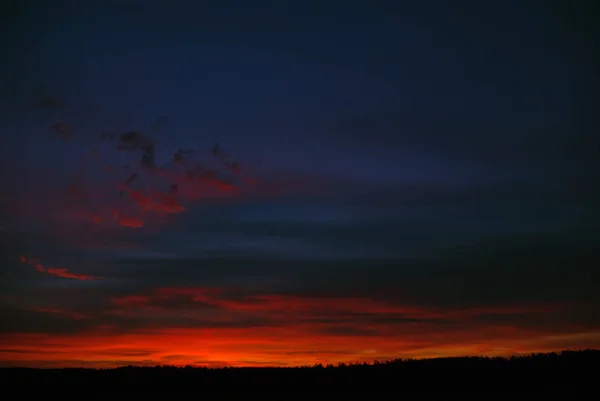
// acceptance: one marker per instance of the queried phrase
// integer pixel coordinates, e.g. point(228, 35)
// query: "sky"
point(365, 181)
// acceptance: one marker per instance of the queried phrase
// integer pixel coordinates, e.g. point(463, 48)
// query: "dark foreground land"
point(567, 373)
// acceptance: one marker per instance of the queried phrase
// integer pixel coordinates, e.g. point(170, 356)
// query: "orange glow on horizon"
point(275, 346)
point(219, 327)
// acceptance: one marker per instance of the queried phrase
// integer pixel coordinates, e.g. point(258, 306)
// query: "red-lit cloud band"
point(55, 271)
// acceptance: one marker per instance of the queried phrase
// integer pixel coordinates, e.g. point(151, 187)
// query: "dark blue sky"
point(427, 153)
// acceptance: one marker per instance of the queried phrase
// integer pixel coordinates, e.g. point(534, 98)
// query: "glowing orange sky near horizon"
point(301, 331)
point(256, 347)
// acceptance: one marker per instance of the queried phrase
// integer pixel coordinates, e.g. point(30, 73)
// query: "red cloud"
point(90, 197)
point(55, 271)
point(305, 306)
point(197, 187)
point(130, 221)
point(60, 272)
point(158, 202)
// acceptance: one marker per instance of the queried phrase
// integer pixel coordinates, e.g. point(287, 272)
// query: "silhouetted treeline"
point(567, 370)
